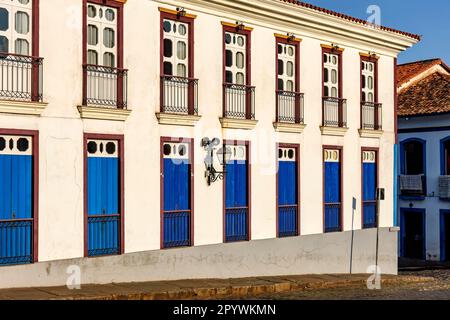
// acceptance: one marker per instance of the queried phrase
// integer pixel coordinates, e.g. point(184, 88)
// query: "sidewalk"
point(201, 289)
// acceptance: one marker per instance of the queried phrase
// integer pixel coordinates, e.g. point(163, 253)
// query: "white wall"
point(61, 129)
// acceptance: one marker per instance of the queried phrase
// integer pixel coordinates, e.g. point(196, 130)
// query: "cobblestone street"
point(439, 289)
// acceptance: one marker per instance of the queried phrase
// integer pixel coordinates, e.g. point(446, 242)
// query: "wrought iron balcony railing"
point(238, 101)
point(289, 107)
point(334, 112)
point(21, 77)
point(105, 86)
point(179, 95)
point(371, 116)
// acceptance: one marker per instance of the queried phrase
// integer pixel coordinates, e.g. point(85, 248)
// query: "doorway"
point(413, 233)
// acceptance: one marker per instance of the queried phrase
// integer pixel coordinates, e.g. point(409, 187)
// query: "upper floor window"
point(287, 66)
point(16, 26)
point(369, 68)
point(289, 101)
point(175, 48)
point(238, 95)
point(331, 72)
point(179, 89)
point(334, 107)
point(102, 35)
point(237, 54)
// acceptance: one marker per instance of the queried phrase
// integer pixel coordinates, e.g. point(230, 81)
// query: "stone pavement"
point(204, 288)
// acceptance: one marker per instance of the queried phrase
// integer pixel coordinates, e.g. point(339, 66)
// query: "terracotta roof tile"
point(428, 96)
point(407, 71)
point(349, 18)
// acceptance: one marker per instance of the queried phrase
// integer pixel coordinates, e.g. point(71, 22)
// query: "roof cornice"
point(302, 20)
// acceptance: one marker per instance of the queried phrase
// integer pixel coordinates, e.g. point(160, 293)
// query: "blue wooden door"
point(369, 189)
point(103, 197)
point(16, 200)
point(177, 192)
point(236, 195)
point(287, 192)
point(332, 189)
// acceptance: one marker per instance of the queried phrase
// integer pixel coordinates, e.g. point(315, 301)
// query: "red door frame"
point(377, 166)
point(190, 141)
point(341, 183)
point(247, 145)
point(34, 134)
point(120, 139)
point(295, 146)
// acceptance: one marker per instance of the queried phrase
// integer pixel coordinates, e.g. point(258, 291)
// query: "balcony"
point(289, 116)
point(104, 86)
point(413, 186)
point(179, 95)
point(371, 120)
point(21, 84)
point(104, 93)
point(334, 116)
point(238, 106)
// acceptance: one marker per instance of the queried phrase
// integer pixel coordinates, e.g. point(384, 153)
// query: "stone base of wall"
point(310, 254)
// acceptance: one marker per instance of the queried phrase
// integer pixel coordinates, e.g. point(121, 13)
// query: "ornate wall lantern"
point(223, 155)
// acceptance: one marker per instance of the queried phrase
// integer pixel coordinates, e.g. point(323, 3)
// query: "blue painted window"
point(369, 188)
point(236, 195)
point(445, 156)
point(287, 192)
point(16, 200)
point(332, 189)
point(103, 192)
point(177, 191)
point(413, 184)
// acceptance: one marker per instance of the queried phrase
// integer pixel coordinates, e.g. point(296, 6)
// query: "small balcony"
point(238, 106)
point(104, 87)
point(413, 185)
point(289, 108)
point(334, 112)
point(179, 95)
point(20, 78)
point(371, 116)
point(238, 101)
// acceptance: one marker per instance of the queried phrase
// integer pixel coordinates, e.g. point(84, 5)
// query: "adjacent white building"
point(104, 108)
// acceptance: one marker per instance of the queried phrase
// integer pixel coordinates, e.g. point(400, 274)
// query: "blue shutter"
point(332, 190)
point(104, 218)
point(287, 193)
point(16, 201)
point(236, 197)
point(369, 189)
point(177, 206)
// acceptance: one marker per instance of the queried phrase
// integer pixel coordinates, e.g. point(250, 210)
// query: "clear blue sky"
point(429, 18)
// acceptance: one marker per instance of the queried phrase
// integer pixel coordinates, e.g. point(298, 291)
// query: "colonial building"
point(424, 162)
point(117, 116)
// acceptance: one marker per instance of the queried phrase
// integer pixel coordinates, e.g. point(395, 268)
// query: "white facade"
point(61, 127)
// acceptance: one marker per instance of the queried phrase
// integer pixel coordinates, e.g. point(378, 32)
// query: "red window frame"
point(188, 19)
point(121, 151)
point(245, 32)
point(116, 4)
point(341, 183)
point(296, 44)
point(295, 146)
point(161, 186)
point(247, 145)
point(34, 134)
point(377, 166)
point(374, 60)
point(338, 52)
